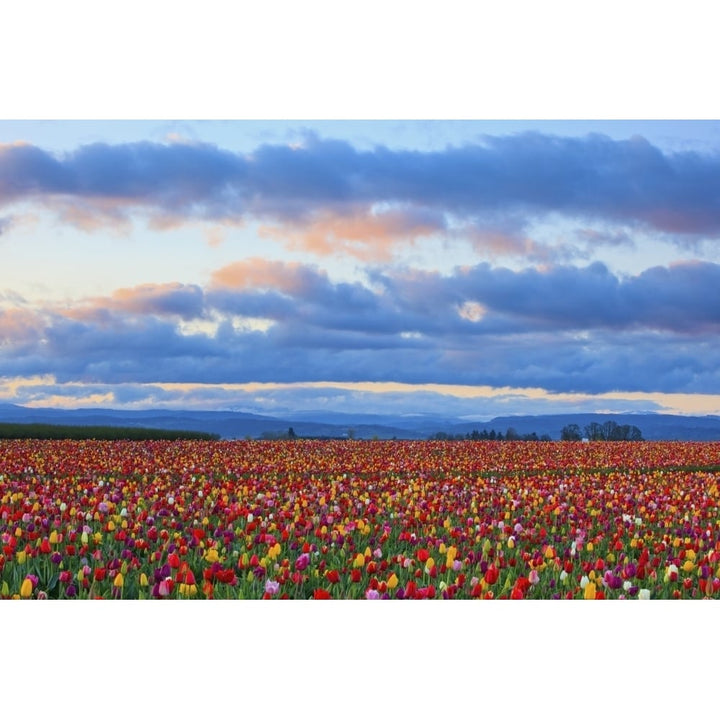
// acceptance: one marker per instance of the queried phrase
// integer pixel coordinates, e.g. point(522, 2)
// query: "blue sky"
point(472, 267)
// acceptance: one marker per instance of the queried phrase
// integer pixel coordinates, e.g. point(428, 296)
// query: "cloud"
point(19, 327)
point(563, 328)
point(361, 233)
point(325, 194)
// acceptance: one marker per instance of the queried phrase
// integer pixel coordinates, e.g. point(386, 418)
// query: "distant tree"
point(512, 434)
point(291, 434)
point(611, 431)
point(635, 434)
point(571, 432)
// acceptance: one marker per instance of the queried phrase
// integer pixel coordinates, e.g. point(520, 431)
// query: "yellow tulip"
point(187, 590)
point(392, 581)
point(359, 560)
point(590, 589)
point(21, 557)
point(119, 581)
point(143, 580)
point(26, 588)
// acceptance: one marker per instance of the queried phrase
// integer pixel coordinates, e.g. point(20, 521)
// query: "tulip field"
point(311, 519)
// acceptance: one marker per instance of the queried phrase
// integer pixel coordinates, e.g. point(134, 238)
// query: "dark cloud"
point(185, 301)
point(627, 181)
point(564, 328)
point(683, 298)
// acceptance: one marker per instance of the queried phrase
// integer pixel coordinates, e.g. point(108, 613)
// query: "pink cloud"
point(19, 325)
point(258, 273)
point(174, 299)
point(361, 233)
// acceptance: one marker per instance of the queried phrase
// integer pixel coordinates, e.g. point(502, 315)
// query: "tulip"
point(590, 591)
point(26, 589)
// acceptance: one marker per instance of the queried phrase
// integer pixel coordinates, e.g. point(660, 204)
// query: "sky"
point(473, 268)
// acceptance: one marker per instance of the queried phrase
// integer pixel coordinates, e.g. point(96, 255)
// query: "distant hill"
point(231, 424)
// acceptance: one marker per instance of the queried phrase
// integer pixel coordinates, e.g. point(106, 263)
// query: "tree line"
point(40, 431)
point(607, 431)
point(511, 434)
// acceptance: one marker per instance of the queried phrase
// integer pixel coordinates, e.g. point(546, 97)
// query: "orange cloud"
point(258, 273)
point(364, 235)
point(17, 324)
point(160, 299)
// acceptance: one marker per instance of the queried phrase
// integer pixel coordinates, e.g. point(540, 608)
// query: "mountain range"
point(229, 424)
